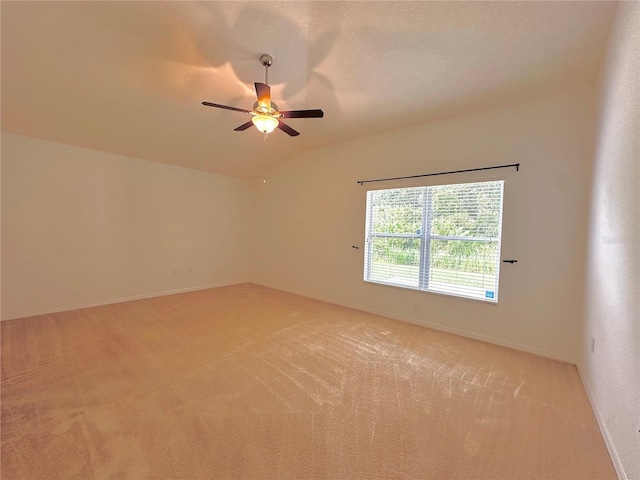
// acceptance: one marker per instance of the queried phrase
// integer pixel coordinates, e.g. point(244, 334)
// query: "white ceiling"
point(128, 77)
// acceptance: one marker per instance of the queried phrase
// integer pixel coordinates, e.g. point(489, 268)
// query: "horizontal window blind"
point(443, 238)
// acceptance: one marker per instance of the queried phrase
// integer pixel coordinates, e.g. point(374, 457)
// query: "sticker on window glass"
point(489, 294)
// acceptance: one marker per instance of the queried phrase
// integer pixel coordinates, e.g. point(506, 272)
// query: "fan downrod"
point(267, 61)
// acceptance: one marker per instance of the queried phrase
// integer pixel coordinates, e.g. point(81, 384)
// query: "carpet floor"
point(249, 382)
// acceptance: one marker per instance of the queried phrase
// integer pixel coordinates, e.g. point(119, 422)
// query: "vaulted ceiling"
point(129, 77)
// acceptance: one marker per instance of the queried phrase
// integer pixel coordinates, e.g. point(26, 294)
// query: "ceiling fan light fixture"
point(265, 112)
point(265, 123)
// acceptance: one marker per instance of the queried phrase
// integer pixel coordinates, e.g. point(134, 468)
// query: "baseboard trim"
point(435, 326)
point(120, 300)
point(608, 441)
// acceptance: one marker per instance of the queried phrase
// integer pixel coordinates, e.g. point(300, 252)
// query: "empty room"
point(320, 240)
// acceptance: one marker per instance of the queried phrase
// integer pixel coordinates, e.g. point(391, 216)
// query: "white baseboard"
point(118, 300)
point(423, 323)
point(608, 441)
point(436, 326)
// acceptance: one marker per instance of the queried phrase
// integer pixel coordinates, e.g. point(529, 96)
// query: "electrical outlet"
point(593, 345)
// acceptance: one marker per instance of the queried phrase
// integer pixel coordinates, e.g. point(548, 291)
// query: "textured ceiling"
point(128, 77)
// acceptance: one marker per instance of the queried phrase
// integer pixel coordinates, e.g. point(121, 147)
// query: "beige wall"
point(311, 211)
point(611, 373)
point(81, 227)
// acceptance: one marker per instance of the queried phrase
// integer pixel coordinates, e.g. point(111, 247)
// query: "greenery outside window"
point(443, 238)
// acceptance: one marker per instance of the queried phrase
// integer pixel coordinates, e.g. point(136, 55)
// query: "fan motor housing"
point(272, 111)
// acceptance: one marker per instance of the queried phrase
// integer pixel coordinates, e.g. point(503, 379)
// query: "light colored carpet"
point(249, 382)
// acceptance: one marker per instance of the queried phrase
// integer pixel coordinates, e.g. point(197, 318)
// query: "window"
point(443, 238)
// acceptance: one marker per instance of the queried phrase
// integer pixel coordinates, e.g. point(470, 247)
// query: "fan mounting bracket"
point(266, 60)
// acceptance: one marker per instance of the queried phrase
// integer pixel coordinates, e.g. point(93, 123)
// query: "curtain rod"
point(516, 165)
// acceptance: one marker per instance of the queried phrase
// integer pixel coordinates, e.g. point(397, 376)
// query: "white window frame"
point(426, 238)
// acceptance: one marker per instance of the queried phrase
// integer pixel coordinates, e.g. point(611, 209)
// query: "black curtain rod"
point(517, 165)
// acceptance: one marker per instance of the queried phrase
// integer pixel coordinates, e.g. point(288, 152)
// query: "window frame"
point(426, 238)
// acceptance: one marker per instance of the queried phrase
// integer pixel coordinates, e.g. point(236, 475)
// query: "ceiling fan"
point(265, 114)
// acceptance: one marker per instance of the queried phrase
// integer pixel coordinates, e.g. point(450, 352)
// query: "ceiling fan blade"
point(287, 129)
point(244, 126)
point(226, 107)
point(303, 113)
point(263, 91)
